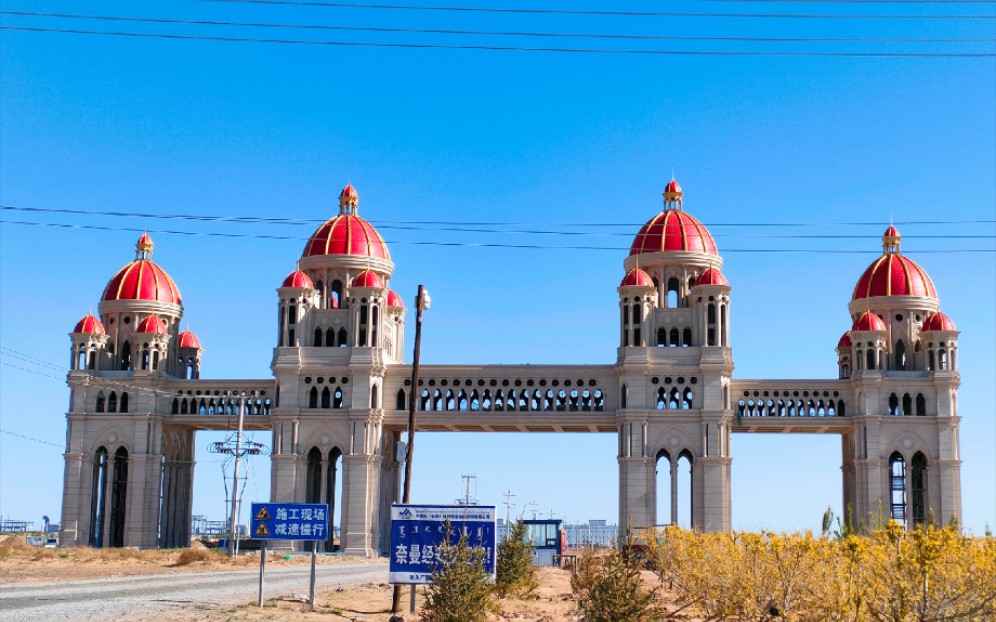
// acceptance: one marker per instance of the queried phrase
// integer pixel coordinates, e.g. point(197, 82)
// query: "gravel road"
point(162, 594)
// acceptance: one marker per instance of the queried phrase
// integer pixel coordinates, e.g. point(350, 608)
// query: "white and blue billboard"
point(418, 530)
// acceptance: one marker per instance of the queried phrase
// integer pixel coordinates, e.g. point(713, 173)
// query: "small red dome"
point(938, 321)
point(711, 276)
point(151, 324)
point(637, 277)
point(298, 279)
point(89, 325)
point(144, 243)
point(673, 187)
point(869, 321)
point(368, 278)
point(891, 232)
point(845, 341)
point(394, 300)
point(673, 230)
point(189, 340)
point(349, 192)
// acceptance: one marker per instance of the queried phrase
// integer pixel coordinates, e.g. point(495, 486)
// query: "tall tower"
point(674, 365)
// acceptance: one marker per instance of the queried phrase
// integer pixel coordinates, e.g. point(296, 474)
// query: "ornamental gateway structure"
point(338, 400)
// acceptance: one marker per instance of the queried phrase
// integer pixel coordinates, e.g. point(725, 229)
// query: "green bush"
point(608, 588)
point(515, 573)
point(461, 590)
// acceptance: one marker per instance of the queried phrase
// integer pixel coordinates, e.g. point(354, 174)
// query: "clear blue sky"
point(166, 126)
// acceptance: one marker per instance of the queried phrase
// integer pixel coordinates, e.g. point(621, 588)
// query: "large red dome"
point(892, 274)
point(347, 233)
point(142, 279)
point(673, 229)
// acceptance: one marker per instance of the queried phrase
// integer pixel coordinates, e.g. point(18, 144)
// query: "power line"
point(497, 48)
point(400, 223)
point(615, 249)
point(30, 371)
point(29, 438)
point(614, 13)
point(322, 27)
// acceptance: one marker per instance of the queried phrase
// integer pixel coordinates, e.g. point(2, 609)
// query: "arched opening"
point(318, 338)
point(320, 290)
point(364, 319)
point(722, 326)
point(342, 338)
point(337, 398)
point(623, 396)
point(119, 497)
point(313, 398)
point(333, 496)
point(675, 338)
point(893, 404)
point(326, 398)
point(897, 487)
point(870, 363)
point(918, 488)
point(79, 362)
point(335, 295)
point(900, 355)
point(907, 405)
point(401, 400)
point(124, 402)
point(100, 402)
point(711, 324)
point(686, 338)
point(374, 396)
point(330, 338)
point(126, 356)
point(112, 402)
point(661, 337)
point(98, 497)
point(672, 293)
point(942, 359)
point(921, 405)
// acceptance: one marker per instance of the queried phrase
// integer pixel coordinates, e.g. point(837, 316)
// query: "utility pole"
point(422, 301)
point(508, 512)
point(467, 500)
point(233, 528)
point(532, 508)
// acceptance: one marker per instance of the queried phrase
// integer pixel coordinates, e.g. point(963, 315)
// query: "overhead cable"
point(495, 48)
point(500, 33)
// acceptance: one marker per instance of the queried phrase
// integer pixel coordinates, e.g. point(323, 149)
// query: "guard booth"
point(544, 534)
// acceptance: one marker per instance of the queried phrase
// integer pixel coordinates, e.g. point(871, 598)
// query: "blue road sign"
point(418, 530)
point(289, 521)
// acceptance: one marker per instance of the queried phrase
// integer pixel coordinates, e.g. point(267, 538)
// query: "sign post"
point(289, 521)
point(418, 530)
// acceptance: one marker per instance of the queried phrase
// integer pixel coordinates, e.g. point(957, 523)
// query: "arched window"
point(98, 498)
point(722, 325)
point(840, 408)
point(374, 396)
point(342, 338)
point(907, 405)
point(921, 405)
point(100, 402)
point(283, 315)
point(918, 488)
point(897, 487)
point(661, 402)
point(622, 396)
point(893, 404)
point(687, 399)
point(675, 338)
point(672, 293)
point(79, 361)
point(401, 400)
point(124, 402)
point(333, 494)
point(126, 356)
point(338, 398)
point(313, 398)
point(871, 359)
point(320, 290)
point(330, 338)
point(175, 407)
point(335, 296)
point(318, 338)
point(661, 337)
point(711, 322)
point(942, 359)
point(900, 355)
point(112, 402)
point(686, 338)
point(119, 497)
point(364, 315)
point(930, 360)
point(326, 398)
point(313, 481)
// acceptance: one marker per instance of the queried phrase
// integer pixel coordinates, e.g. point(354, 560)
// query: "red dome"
point(869, 321)
point(711, 276)
point(347, 234)
point(89, 325)
point(394, 300)
point(151, 324)
point(368, 278)
point(298, 279)
point(673, 187)
point(673, 230)
point(938, 321)
point(349, 192)
point(845, 341)
point(142, 280)
point(189, 340)
point(638, 278)
point(892, 274)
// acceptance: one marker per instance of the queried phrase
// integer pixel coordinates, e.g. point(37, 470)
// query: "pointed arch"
point(98, 498)
point(119, 497)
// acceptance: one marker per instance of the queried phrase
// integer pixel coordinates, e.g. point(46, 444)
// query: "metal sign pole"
point(262, 569)
point(311, 590)
point(412, 603)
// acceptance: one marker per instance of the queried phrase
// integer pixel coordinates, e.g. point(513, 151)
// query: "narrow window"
point(893, 404)
point(900, 355)
point(318, 338)
point(921, 405)
point(124, 402)
point(672, 293)
point(918, 488)
point(112, 402)
point(98, 498)
point(337, 398)
point(907, 405)
point(330, 338)
point(686, 338)
point(119, 496)
point(897, 487)
point(661, 337)
point(100, 402)
point(342, 337)
point(401, 401)
point(326, 397)
point(126, 356)
point(675, 338)
point(313, 398)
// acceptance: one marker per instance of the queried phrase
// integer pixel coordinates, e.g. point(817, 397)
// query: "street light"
point(422, 301)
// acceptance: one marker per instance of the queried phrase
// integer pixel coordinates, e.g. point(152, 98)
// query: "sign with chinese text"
point(289, 521)
point(418, 530)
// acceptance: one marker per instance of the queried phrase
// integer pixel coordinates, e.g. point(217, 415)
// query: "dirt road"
point(157, 596)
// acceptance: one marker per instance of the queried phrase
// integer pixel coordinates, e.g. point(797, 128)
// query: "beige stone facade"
point(338, 401)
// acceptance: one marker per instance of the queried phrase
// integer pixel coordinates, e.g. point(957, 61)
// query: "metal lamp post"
point(422, 301)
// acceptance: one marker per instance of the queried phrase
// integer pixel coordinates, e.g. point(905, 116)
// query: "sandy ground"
point(369, 602)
